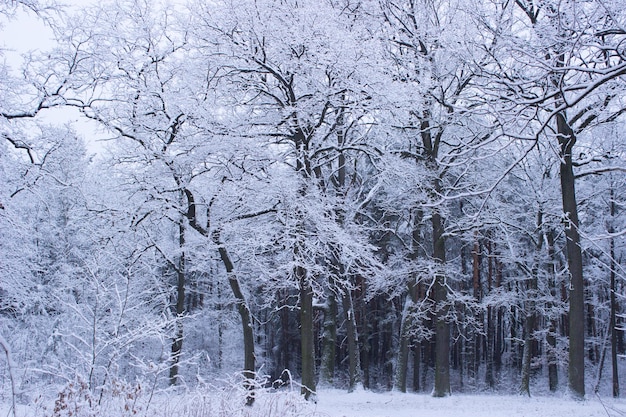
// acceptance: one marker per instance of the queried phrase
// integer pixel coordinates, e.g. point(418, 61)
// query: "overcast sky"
point(26, 32)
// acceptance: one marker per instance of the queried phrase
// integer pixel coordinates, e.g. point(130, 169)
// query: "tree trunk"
point(249, 371)
point(242, 304)
point(403, 352)
point(177, 343)
point(354, 369)
point(477, 288)
point(553, 376)
point(365, 341)
point(286, 342)
point(489, 354)
point(567, 139)
point(329, 341)
point(417, 361)
point(489, 377)
point(306, 331)
point(529, 328)
point(613, 321)
point(407, 320)
point(531, 311)
point(442, 327)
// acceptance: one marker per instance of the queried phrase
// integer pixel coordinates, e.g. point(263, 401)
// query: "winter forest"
point(406, 195)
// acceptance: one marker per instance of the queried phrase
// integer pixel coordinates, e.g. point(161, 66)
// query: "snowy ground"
point(368, 404)
point(335, 403)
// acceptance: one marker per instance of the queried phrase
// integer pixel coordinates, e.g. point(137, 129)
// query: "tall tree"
point(565, 97)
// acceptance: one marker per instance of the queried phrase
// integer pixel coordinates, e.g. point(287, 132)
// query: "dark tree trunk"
point(409, 306)
point(306, 330)
point(477, 289)
point(489, 354)
point(177, 343)
point(553, 376)
point(613, 313)
point(354, 360)
point(499, 342)
point(567, 139)
point(233, 281)
point(442, 327)
point(249, 371)
point(285, 337)
point(329, 341)
point(417, 362)
point(489, 376)
point(529, 328)
point(403, 350)
point(365, 331)
point(531, 310)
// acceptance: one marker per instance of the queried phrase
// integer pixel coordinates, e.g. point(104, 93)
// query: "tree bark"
point(531, 311)
point(177, 343)
point(613, 320)
point(306, 330)
point(417, 361)
point(400, 380)
point(489, 350)
point(442, 327)
point(403, 350)
point(477, 290)
point(329, 341)
point(249, 371)
point(354, 360)
point(567, 139)
point(553, 376)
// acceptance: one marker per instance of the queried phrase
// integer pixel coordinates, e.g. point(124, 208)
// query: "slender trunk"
point(354, 369)
point(596, 387)
point(613, 319)
point(286, 340)
point(329, 341)
point(407, 319)
point(220, 329)
point(529, 328)
point(246, 318)
point(477, 287)
point(489, 377)
point(499, 338)
point(177, 343)
point(531, 312)
point(553, 376)
point(567, 139)
point(306, 329)
point(417, 356)
point(233, 281)
point(403, 351)
point(442, 327)
point(592, 332)
point(365, 340)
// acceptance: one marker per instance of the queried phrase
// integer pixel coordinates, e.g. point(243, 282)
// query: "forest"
point(407, 195)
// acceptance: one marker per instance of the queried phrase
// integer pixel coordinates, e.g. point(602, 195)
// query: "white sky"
point(26, 32)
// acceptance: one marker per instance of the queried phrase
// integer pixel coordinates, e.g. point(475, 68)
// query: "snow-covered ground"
point(332, 403)
point(369, 404)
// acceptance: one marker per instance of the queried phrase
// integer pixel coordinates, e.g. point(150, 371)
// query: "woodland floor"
point(369, 404)
point(332, 403)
